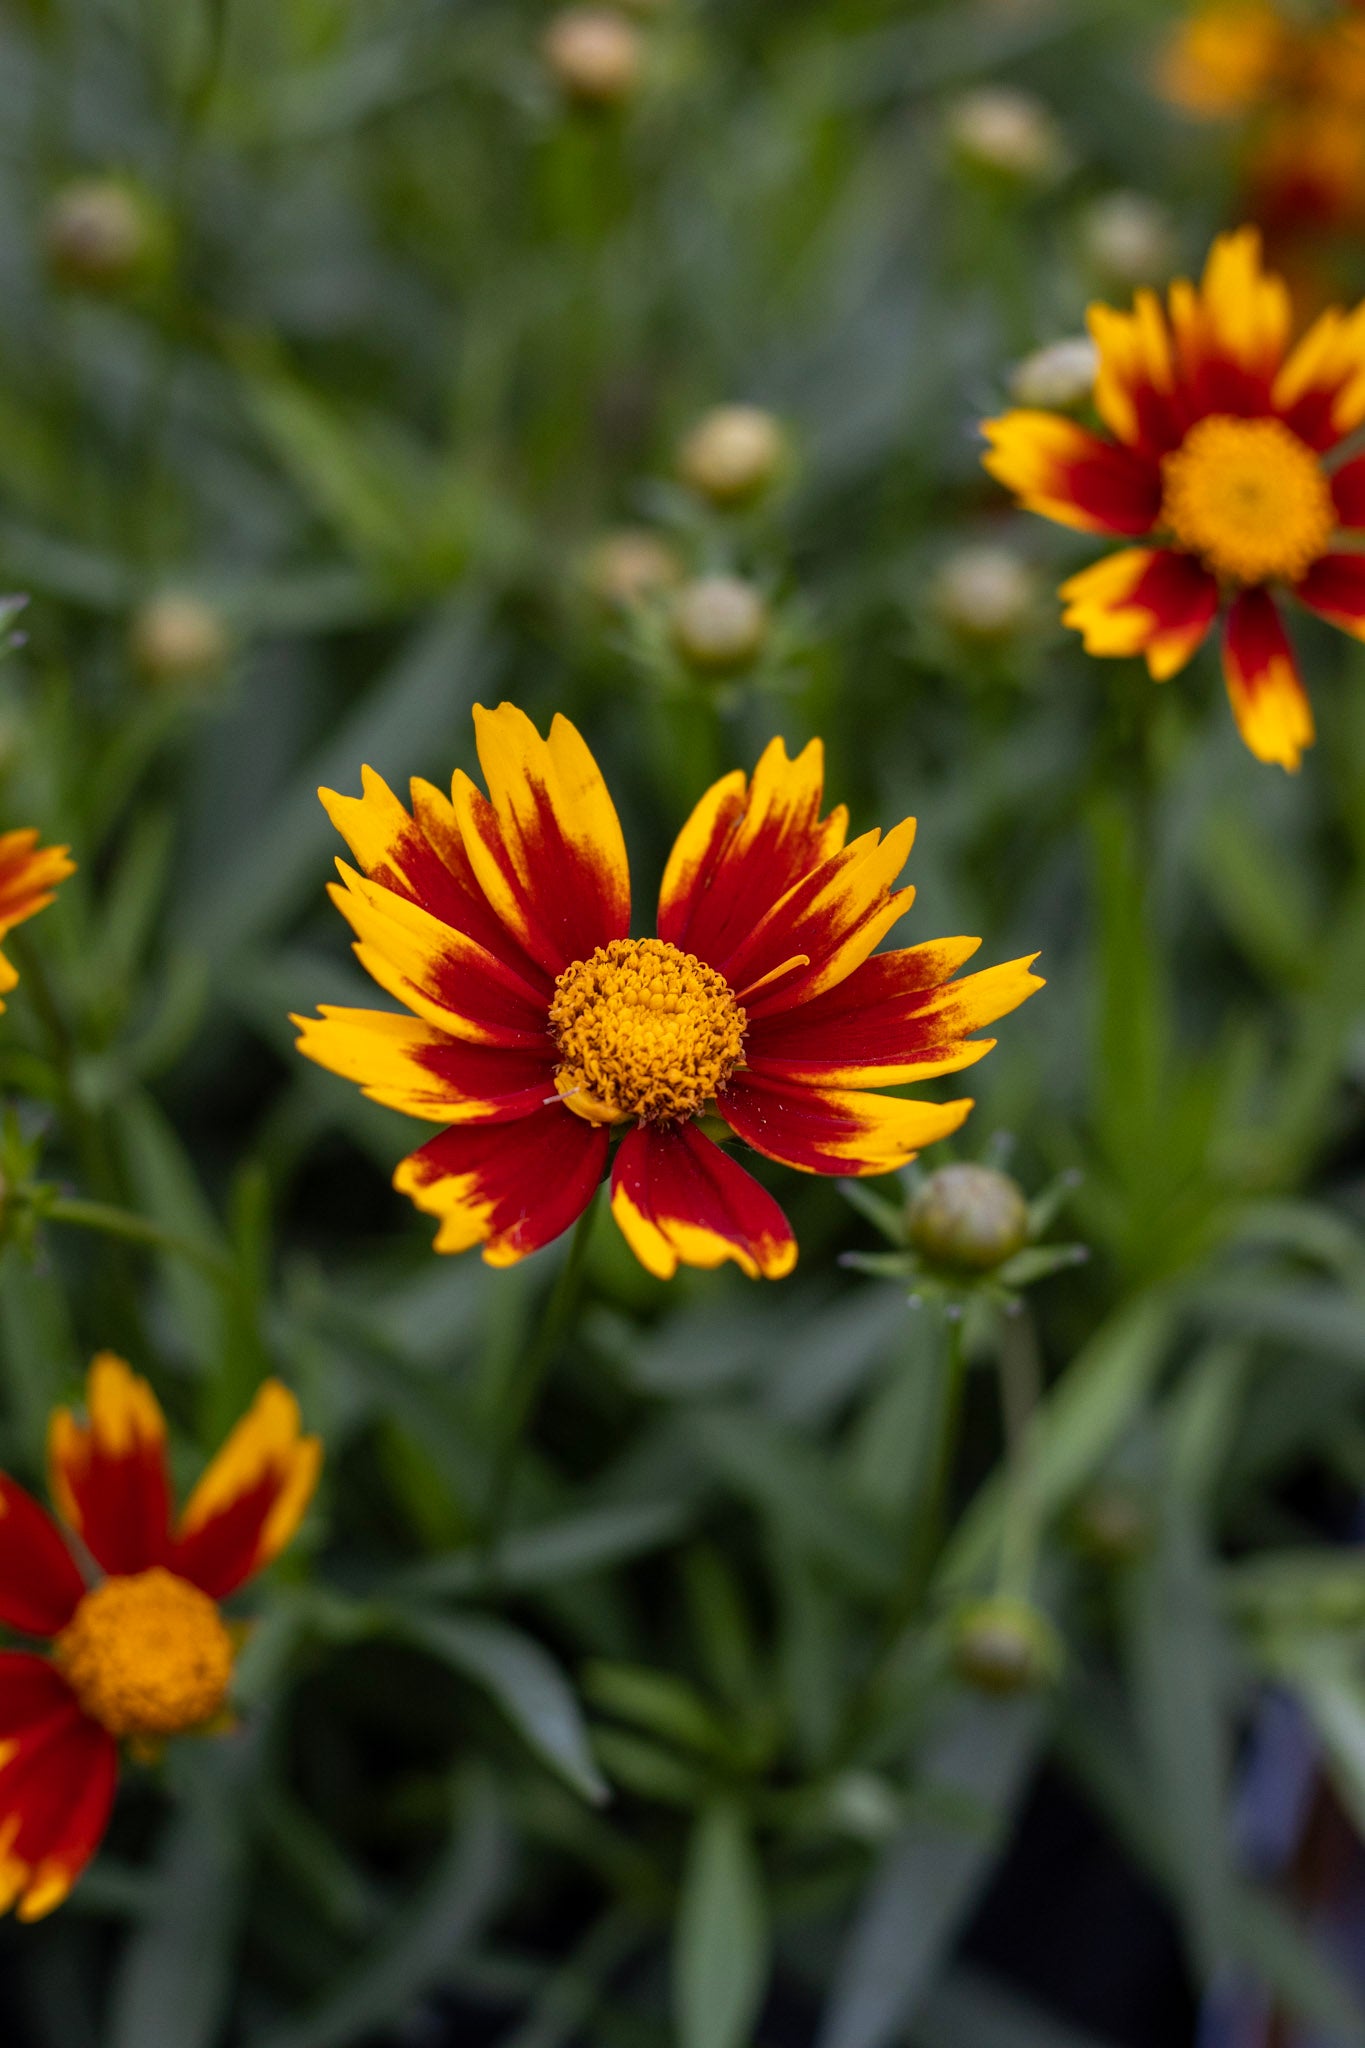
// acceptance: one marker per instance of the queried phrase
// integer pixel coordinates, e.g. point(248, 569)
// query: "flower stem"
point(529, 1375)
point(111, 1221)
point(1020, 1391)
point(927, 1537)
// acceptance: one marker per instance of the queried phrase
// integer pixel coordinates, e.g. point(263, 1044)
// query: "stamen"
point(645, 1030)
point(1249, 498)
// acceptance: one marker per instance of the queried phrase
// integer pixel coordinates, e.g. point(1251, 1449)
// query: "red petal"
point(413, 1067)
point(251, 1499)
point(40, 1586)
point(509, 1187)
point(1268, 700)
point(1149, 601)
point(834, 1130)
point(742, 849)
point(1066, 473)
point(56, 1787)
point(109, 1476)
point(679, 1199)
point(545, 843)
point(422, 857)
point(1348, 491)
point(896, 1018)
point(1335, 588)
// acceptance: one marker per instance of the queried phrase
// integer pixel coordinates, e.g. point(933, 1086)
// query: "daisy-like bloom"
point(539, 1027)
point(1218, 456)
point(138, 1649)
point(29, 875)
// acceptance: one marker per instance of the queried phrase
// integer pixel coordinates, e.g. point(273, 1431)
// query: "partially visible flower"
point(1062, 374)
point(29, 875)
point(733, 454)
point(594, 54)
point(984, 593)
point(1218, 433)
point(720, 623)
point(176, 639)
point(1223, 57)
point(998, 128)
point(540, 1028)
point(625, 568)
point(142, 1653)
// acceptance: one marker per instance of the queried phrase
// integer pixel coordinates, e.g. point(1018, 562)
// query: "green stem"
point(110, 1221)
point(927, 1537)
point(1020, 1392)
point(529, 1375)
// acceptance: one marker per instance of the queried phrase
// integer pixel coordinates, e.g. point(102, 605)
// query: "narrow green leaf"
point(720, 1953)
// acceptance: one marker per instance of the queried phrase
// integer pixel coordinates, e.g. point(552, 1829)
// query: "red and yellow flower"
point(537, 1026)
point(29, 875)
point(1221, 456)
point(138, 1647)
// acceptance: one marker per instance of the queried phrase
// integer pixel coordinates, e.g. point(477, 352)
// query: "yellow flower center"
point(147, 1655)
point(644, 1030)
point(1249, 498)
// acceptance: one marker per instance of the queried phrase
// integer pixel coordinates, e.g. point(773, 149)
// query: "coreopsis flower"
point(1221, 456)
point(29, 875)
point(539, 1029)
point(138, 1648)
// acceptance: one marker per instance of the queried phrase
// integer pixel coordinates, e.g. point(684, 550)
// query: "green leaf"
point(720, 1950)
point(524, 1680)
point(930, 1876)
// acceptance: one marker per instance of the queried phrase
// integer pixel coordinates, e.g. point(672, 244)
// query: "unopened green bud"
point(1057, 377)
point(1005, 1646)
point(971, 1218)
point(732, 454)
point(102, 235)
point(1112, 1525)
point(176, 639)
point(720, 623)
point(595, 55)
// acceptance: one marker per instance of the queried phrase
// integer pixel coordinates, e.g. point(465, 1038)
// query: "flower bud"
point(177, 639)
point(100, 234)
point(594, 54)
point(1057, 377)
point(732, 454)
point(969, 1217)
point(997, 128)
point(625, 568)
point(1111, 1524)
point(1127, 238)
point(720, 623)
point(1005, 1646)
point(984, 593)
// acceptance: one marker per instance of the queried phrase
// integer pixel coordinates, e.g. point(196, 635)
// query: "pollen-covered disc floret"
point(1249, 498)
point(644, 1031)
point(147, 1655)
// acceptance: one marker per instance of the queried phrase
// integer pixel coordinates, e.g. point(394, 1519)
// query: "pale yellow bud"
point(732, 454)
point(1057, 377)
point(595, 54)
point(720, 623)
point(100, 235)
point(626, 568)
point(1128, 238)
point(985, 593)
point(998, 128)
point(177, 639)
point(1005, 1646)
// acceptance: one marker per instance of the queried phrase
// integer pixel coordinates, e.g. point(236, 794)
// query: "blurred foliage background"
point(339, 346)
